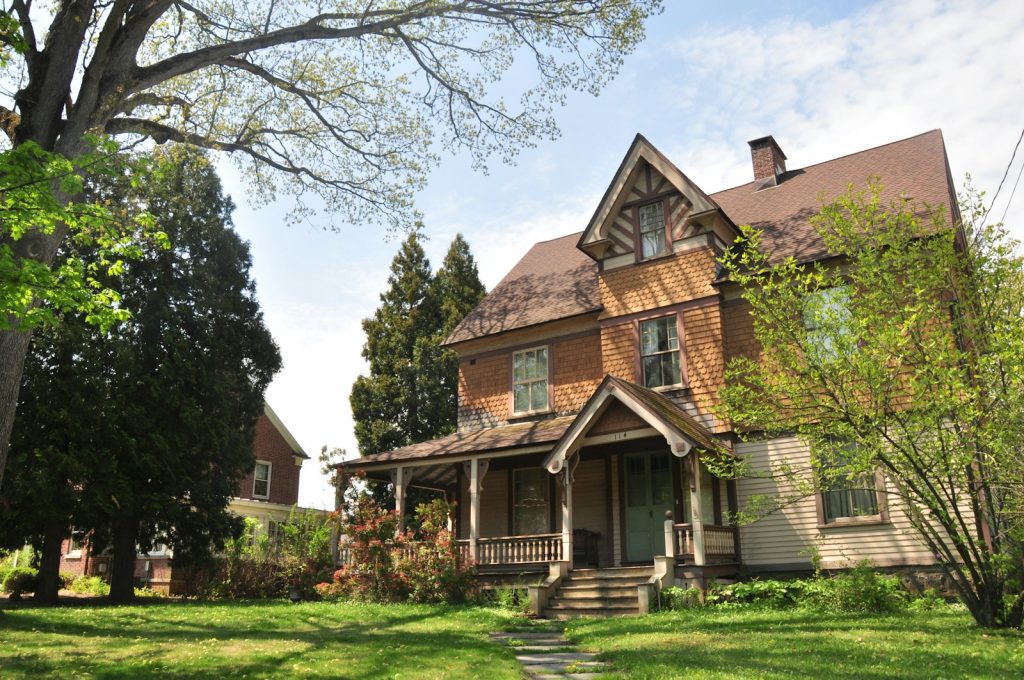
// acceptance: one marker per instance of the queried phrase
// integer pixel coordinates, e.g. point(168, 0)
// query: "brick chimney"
point(768, 159)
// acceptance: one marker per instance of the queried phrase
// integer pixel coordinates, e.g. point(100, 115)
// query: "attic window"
point(652, 230)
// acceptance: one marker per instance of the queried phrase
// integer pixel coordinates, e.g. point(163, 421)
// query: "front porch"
point(617, 485)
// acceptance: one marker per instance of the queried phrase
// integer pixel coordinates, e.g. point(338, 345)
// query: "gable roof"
point(915, 167)
point(555, 280)
point(679, 428)
point(283, 431)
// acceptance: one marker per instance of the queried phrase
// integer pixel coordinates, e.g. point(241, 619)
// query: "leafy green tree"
point(347, 101)
point(145, 433)
point(908, 359)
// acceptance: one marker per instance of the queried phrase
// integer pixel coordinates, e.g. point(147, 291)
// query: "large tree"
point(903, 355)
point(457, 289)
point(344, 99)
point(389, 405)
point(144, 434)
point(411, 392)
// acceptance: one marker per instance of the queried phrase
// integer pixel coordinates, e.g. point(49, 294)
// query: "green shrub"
point(767, 592)
point(857, 591)
point(89, 585)
point(4, 571)
point(928, 601)
point(674, 598)
point(21, 580)
point(512, 598)
point(66, 579)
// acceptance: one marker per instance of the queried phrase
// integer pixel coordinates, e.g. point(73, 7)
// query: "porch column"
point(400, 482)
point(567, 471)
point(695, 510)
point(474, 507)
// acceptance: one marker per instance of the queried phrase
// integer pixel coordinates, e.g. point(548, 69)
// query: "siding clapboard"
point(785, 537)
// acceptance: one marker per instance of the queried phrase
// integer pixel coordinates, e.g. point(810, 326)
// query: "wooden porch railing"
point(719, 541)
point(494, 551)
point(516, 549)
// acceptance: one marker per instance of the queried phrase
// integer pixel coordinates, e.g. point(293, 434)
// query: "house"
point(268, 493)
point(588, 379)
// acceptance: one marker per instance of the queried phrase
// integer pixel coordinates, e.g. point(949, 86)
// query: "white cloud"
point(890, 71)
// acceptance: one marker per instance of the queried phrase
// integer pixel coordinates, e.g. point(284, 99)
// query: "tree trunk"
point(13, 350)
point(49, 564)
point(122, 564)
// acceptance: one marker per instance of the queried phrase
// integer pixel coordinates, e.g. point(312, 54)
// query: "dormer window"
point(653, 241)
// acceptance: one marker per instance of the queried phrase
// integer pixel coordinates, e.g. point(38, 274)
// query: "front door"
point(648, 486)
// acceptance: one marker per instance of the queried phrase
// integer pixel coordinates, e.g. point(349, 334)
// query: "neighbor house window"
point(653, 241)
point(530, 380)
point(531, 501)
point(261, 480)
point(76, 542)
point(659, 352)
point(850, 497)
point(827, 321)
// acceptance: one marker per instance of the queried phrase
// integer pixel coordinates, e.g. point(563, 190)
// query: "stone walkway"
point(549, 656)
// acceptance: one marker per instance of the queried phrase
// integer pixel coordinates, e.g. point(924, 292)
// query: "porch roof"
point(463, 443)
point(680, 428)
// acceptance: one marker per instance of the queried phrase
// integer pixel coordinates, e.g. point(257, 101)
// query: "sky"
point(826, 79)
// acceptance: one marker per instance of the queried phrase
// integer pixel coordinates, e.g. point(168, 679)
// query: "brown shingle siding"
point(679, 278)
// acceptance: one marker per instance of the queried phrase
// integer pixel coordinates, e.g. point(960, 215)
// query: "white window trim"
point(681, 381)
point(546, 378)
point(666, 237)
point(270, 476)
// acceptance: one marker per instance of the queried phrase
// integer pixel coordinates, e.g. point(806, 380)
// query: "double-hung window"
point(531, 501)
point(659, 352)
point(850, 496)
point(530, 380)
point(261, 480)
point(653, 240)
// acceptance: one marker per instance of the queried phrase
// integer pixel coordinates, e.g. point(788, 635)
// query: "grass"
point(255, 640)
point(762, 643)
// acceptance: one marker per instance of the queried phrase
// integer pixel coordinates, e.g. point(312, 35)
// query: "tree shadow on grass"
point(771, 644)
point(300, 642)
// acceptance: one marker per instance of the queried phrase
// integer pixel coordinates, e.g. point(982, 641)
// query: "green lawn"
point(281, 640)
point(254, 640)
point(761, 643)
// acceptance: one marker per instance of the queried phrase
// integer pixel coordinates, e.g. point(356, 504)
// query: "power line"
point(1005, 174)
point(1010, 199)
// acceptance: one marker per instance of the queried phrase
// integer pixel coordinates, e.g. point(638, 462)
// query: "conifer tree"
point(410, 394)
point(386, 405)
point(142, 436)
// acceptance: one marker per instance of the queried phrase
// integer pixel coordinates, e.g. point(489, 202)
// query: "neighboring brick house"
point(267, 493)
point(588, 376)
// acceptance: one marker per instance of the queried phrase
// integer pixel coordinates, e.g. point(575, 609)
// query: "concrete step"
point(589, 571)
point(577, 592)
point(604, 603)
point(616, 582)
point(562, 614)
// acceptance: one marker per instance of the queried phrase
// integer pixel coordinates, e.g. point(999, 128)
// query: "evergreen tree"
point(386, 405)
point(457, 289)
point(143, 435)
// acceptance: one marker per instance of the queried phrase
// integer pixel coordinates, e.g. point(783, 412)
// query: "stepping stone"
point(555, 657)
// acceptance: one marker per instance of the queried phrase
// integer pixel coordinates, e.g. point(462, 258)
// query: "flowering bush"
point(387, 566)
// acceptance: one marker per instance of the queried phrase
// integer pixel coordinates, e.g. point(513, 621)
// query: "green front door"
point(648, 485)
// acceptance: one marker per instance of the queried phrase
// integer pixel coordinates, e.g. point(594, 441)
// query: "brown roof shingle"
point(555, 280)
point(915, 166)
point(491, 439)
